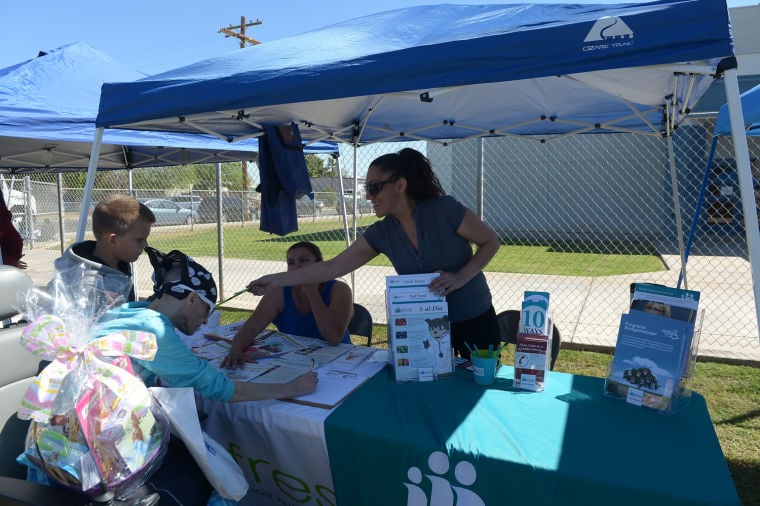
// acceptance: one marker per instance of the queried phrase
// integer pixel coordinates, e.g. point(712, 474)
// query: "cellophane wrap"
point(95, 426)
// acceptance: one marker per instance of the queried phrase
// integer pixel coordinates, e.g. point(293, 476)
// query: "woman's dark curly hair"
point(421, 182)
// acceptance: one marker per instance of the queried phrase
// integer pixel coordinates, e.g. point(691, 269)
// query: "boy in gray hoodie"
point(121, 226)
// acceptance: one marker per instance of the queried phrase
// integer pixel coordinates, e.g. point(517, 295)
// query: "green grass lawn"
point(567, 258)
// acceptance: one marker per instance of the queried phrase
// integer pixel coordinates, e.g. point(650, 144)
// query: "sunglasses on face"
point(376, 187)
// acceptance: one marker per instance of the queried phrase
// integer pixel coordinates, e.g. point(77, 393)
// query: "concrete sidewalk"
point(583, 309)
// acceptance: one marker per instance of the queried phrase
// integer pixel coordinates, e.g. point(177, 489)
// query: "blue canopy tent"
point(48, 107)
point(750, 102)
point(452, 72)
point(47, 119)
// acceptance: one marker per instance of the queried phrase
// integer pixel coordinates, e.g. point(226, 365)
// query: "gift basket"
point(95, 427)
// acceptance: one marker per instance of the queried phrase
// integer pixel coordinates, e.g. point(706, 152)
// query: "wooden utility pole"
point(241, 36)
point(229, 32)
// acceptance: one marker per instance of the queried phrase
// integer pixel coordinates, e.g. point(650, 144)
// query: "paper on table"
point(211, 350)
point(249, 372)
point(277, 373)
point(317, 350)
point(272, 344)
point(353, 357)
point(334, 385)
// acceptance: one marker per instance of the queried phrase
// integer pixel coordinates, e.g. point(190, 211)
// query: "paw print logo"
point(441, 491)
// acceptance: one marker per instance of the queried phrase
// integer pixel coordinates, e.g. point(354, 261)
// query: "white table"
point(279, 445)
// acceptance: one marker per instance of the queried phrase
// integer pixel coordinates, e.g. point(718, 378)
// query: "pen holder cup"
point(484, 368)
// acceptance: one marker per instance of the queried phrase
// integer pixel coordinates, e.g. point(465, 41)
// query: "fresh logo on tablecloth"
point(442, 491)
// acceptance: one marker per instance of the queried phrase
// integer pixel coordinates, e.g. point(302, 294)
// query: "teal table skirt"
point(455, 443)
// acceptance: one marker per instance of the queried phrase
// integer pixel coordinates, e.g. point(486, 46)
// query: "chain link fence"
point(582, 217)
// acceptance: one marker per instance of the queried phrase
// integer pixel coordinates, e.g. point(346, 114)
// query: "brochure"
point(270, 343)
point(651, 356)
point(665, 301)
point(355, 356)
point(419, 338)
point(534, 314)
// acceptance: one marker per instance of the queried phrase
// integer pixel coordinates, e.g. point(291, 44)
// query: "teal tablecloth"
point(454, 443)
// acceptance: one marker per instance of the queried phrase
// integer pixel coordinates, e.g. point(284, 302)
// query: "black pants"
point(481, 331)
point(179, 480)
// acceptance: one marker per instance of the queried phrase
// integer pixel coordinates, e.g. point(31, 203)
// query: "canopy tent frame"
point(449, 73)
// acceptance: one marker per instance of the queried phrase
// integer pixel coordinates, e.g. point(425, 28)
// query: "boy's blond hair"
point(117, 214)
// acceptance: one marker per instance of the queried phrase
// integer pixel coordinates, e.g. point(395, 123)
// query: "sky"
point(154, 36)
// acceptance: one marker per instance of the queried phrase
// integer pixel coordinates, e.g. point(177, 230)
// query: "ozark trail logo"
point(442, 492)
point(608, 29)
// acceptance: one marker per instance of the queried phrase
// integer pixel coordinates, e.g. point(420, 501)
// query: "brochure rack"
point(534, 342)
point(656, 350)
point(419, 336)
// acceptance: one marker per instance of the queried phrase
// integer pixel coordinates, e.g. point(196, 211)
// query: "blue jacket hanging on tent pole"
point(284, 178)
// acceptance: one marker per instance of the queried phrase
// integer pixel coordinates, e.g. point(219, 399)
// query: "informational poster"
point(419, 331)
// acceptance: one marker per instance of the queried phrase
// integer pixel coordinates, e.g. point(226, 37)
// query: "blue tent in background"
point(751, 109)
point(47, 119)
point(48, 107)
point(750, 101)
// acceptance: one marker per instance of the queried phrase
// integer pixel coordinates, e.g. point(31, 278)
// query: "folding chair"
point(361, 323)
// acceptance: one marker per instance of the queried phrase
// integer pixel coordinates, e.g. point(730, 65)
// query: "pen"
point(311, 365)
point(241, 292)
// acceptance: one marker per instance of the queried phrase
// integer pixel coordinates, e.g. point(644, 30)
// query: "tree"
point(316, 166)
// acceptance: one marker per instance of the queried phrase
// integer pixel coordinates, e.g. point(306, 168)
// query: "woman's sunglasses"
point(376, 187)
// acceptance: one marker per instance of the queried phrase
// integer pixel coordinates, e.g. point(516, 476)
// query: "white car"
point(170, 213)
point(307, 207)
point(186, 201)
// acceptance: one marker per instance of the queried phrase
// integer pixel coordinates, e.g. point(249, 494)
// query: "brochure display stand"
point(656, 349)
point(533, 347)
point(419, 336)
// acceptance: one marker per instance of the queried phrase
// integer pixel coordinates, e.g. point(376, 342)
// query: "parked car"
point(186, 201)
point(170, 213)
point(233, 209)
point(307, 207)
point(364, 206)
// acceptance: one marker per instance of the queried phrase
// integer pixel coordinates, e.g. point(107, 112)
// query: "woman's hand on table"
point(234, 360)
point(303, 384)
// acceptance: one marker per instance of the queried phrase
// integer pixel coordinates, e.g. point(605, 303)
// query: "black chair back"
point(361, 323)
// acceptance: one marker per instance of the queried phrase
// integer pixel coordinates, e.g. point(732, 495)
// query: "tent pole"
point(219, 230)
point(481, 174)
point(698, 208)
point(677, 207)
point(135, 277)
point(746, 187)
point(92, 167)
point(356, 188)
point(342, 201)
point(61, 222)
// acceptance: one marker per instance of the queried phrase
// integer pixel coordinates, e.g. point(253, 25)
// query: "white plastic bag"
point(215, 461)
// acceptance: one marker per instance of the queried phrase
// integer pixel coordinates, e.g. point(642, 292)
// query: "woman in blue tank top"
point(422, 230)
point(319, 310)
